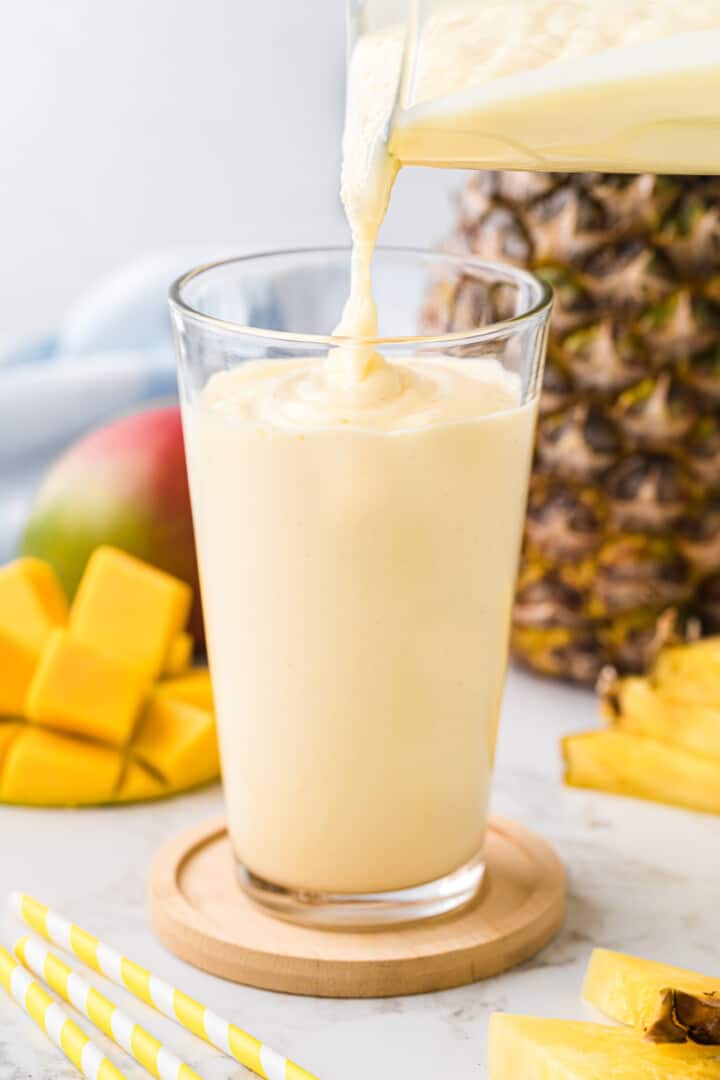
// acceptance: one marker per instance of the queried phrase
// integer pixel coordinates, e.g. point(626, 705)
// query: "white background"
point(129, 126)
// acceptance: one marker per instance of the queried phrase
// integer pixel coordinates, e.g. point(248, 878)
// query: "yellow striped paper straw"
point(103, 1013)
point(176, 1005)
point(54, 1021)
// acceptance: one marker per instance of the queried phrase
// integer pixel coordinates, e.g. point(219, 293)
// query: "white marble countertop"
point(643, 878)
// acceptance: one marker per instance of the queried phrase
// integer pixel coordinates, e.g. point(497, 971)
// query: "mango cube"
point(529, 1048)
point(180, 655)
point(17, 665)
point(47, 588)
point(139, 783)
point(128, 609)
point(669, 1003)
point(178, 741)
point(29, 601)
point(195, 688)
point(44, 768)
point(9, 731)
point(30, 606)
point(79, 689)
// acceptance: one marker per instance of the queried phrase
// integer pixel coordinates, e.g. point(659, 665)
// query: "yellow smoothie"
point(358, 552)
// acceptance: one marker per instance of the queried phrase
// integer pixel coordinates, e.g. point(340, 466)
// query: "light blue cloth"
point(113, 351)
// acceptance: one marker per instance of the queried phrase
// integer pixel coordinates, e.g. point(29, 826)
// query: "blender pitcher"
point(551, 85)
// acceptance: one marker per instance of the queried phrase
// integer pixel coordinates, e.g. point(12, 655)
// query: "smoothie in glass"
point(358, 557)
point(358, 507)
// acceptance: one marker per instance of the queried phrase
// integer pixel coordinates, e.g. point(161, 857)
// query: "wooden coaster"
point(199, 912)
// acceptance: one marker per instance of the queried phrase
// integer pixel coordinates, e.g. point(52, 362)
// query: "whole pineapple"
point(622, 544)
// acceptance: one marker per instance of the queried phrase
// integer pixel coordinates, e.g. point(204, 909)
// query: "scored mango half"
point(668, 1004)
point(83, 717)
point(530, 1048)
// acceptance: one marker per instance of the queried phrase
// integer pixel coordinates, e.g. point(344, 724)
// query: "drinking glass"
point(357, 581)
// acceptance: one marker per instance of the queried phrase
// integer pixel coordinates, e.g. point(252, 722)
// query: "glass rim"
point(490, 331)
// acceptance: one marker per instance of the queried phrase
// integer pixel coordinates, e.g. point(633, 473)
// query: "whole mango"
point(124, 485)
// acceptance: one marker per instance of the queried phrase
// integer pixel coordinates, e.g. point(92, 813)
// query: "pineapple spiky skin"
point(622, 544)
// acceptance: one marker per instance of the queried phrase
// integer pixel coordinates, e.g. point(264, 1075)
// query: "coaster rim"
point(420, 957)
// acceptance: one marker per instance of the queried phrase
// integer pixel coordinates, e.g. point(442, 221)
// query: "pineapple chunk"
point(693, 666)
point(626, 764)
point(637, 706)
point(669, 1003)
point(129, 609)
point(529, 1048)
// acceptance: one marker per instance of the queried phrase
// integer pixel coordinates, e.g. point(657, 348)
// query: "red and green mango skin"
point(124, 484)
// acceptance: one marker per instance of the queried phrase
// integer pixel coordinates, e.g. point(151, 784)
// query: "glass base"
point(369, 911)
